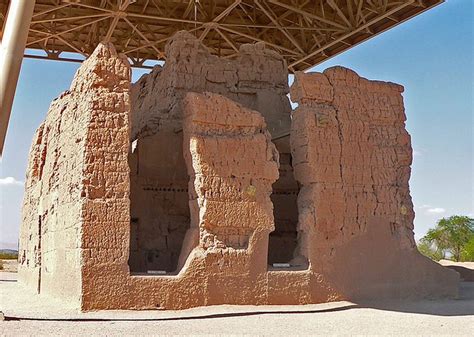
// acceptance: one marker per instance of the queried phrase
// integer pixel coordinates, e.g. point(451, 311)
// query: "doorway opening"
point(283, 241)
point(159, 203)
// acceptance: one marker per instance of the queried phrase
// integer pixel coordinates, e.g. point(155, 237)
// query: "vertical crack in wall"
point(39, 254)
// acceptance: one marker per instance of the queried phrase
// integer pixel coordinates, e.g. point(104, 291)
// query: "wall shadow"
point(466, 274)
point(185, 318)
point(462, 306)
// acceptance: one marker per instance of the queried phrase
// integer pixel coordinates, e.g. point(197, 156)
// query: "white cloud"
point(424, 206)
point(428, 209)
point(435, 210)
point(10, 181)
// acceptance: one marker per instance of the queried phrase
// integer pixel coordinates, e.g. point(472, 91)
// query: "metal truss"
point(305, 32)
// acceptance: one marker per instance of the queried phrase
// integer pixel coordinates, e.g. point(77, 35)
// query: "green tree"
point(429, 250)
point(467, 253)
point(451, 235)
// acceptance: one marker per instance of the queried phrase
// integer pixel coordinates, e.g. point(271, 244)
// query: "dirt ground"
point(30, 314)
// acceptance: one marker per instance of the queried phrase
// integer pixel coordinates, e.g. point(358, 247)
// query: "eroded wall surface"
point(257, 78)
point(233, 164)
point(70, 178)
point(352, 155)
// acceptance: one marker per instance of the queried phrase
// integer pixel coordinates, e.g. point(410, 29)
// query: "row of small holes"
point(165, 189)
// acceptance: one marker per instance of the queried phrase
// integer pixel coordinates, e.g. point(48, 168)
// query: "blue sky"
point(431, 55)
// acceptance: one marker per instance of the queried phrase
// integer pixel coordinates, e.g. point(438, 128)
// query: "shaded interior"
point(283, 240)
point(159, 202)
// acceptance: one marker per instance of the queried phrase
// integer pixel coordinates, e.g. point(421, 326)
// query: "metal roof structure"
point(305, 32)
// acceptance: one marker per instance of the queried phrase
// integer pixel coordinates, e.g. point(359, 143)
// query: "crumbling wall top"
point(256, 77)
point(104, 68)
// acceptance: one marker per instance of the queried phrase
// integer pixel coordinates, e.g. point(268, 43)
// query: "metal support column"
point(11, 55)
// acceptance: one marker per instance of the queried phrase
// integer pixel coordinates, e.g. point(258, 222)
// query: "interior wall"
point(257, 78)
point(159, 206)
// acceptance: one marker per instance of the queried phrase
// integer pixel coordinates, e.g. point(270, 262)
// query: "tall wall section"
point(352, 155)
point(232, 164)
point(66, 175)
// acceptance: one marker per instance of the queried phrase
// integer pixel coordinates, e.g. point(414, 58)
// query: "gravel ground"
point(30, 314)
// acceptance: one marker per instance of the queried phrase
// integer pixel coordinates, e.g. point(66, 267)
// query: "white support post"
point(11, 55)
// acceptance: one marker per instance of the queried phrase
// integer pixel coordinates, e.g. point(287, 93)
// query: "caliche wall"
point(60, 190)
point(342, 177)
point(257, 78)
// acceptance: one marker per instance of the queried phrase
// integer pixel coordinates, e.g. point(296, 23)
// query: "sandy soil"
point(469, 265)
point(30, 314)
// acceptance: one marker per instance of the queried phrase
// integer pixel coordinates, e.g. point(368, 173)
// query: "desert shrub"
point(8, 256)
point(467, 253)
point(450, 237)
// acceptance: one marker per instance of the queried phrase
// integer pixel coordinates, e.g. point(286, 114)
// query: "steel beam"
point(12, 48)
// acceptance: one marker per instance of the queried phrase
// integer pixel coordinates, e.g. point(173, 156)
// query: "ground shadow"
point(462, 306)
point(184, 318)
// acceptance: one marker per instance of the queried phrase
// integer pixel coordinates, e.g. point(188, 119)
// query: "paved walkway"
point(30, 314)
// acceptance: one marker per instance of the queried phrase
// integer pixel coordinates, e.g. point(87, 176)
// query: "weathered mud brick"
point(354, 170)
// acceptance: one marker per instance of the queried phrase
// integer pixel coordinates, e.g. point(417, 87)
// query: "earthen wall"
point(66, 177)
point(350, 157)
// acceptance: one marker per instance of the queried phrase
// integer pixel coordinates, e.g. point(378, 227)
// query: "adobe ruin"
point(194, 187)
